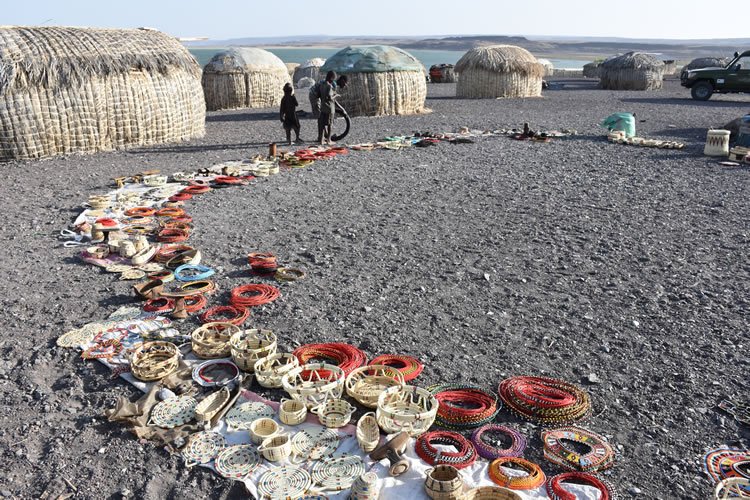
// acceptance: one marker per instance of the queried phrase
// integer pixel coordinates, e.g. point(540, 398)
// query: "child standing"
point(288, 114)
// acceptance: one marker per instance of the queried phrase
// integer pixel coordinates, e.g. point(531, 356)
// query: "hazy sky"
point(219, 19)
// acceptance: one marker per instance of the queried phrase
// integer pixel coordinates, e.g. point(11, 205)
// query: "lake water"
point(427, 57)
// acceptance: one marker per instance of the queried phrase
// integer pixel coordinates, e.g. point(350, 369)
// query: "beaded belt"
point(599, 457)
point(533, 479)
point(464, 457)
point(464, 406)
point(516, 448)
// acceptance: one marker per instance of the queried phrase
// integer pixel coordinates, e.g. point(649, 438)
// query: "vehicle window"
point(742, 63)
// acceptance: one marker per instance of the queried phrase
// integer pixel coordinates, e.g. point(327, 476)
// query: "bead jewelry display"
point(514, 449)
point(545, 400)
point(464, 406)
point(345, 356)
point(599, 456)
point(557, 492)
point(464, 456)
point(409, 367)
point(534, 477)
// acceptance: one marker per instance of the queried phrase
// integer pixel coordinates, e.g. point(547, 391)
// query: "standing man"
point(327, 108)
point(314, 94)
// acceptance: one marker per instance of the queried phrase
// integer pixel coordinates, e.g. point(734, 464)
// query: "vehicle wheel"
point(702, 91)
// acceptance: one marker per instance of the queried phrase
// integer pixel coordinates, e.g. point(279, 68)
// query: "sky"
point(223, 19)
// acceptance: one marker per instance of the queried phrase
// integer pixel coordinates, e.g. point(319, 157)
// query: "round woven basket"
point(276, 448)
point(211, 341)
point(262, 429)
point(368, 432)
point(444, 482)
point(406, 408)
point(491, 493)
point(365, 487)
point(154, 360)
point(367, 383)
point(270, 369)
point(251, 345)
point(314, 383)
point(292, 412)
point(334, 413)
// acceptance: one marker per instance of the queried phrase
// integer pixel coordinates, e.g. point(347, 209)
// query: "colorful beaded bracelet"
point(462, 458)
point(544, 399)
point(599, 456)
point(533, 479)
point(557, 492)
point(409, 367)
point(464, 406)
point(345, 356)
point(516, 448)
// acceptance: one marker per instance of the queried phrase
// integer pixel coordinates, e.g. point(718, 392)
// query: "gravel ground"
point(577, 259)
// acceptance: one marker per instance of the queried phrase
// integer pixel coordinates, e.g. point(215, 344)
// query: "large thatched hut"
point(80, 90)
point(706, 62)
point(244, 77)
point(499, 71)
point(309, 69)
point(383, 80)
point(591, 70)
point(549, 68)
point(632, 71)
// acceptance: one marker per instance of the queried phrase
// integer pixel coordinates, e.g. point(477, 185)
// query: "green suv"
point(735, 77)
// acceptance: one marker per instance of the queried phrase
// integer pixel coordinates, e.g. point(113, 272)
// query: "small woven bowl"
point(251, 345)
point(262, 429)
point(367, 383)
point(314, 383)
point(270, 370)
point(491, 493)
point(334, 413)
point(406, 408)
point(292, 412)
point(276, 448)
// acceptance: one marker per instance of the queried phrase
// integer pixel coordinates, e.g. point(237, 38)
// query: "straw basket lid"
point(501, 59)
point(237, 461)
point(240, 417)
point(491, 493)
point(365, 384)
point(284, 482)
point(407, 408)
point(173, 412)
point(336, 474)
point(314, 443)
point(241, 59)
point(202, 447)
point(216, 372)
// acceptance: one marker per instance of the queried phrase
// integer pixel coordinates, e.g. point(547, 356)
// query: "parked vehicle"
point(734, 78)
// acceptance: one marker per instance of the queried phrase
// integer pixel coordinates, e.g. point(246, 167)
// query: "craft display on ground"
point(197, 383)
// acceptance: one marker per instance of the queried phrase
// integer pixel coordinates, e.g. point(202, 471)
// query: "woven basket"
point(154, 360)
point(314, 383)
point(365, 384)
point(276, 448)
point(211, 341)
point(406, 408)
point(365, 487)
point(444, 482)
point(251, 345)
point(269, 370)
point(491, 493)
point(262, 429)
point(292, 412)
point(368, 432)
point(211, 405)
point(334, 413)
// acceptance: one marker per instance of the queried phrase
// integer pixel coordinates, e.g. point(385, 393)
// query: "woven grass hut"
point(290, 68)
point(499, 71)
point(706, 62)
point(81, 90)
point(309, 69)
point(632, 71)
point(591, 70)
point(549, 68)
point(442, 73)
point(383, 80)
point(244, 77)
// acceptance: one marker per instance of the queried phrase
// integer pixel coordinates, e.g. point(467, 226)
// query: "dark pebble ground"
point(577, 259)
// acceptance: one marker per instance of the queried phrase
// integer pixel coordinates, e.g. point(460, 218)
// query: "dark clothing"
point(327, 99)
point(288, 111)
point(315, 96)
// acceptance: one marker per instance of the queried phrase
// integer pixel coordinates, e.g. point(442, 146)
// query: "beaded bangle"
point(170, 212)
point(203, 286)
point(464, 457)
point(544, 399)
point(168, 235)
point(600, 454)
point(345, 356)
point(516, 448)
point(464, 406)
point(226, 314)
point(161, 304)
point(181, 197)
point(409, 367)
point(557, 492)
point(203, 272)
point(262, 263)
point(195, 303)
point(533, 479)
point(140, 212)
point(288, 274)
point(260, 294)
point(196, 189)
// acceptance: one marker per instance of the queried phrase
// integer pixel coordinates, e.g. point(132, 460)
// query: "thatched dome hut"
point(383, 80)
point(290, 68)
point(442, 73)
point(309, 69)
point(549, 68)
point(244, 77)
point(706, 62)
point(80, 90)
point(591, 70)
point(632, 71)
point(499, 71)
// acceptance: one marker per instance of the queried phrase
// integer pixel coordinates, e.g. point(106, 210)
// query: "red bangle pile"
point(168, 235)
point(345, 356)
point(557, 492)
point(262, 263)
point(165, 253)
point(195, 303)
point(170, 212)
point(196, 189)
point(464, 457)
point(464, 406)
point(533, 479)
point(225, 314)
point(161, 304)
point(409, 367)
point(228, 180)
point(173, 224)
point(544, 399)
point(259, 295)
point(140, 212)
point(106, 222)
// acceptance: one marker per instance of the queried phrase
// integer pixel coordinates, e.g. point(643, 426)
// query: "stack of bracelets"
point(545, 400)
point(225, 314)
point(599, 456)
point(228, 180)
point(196, 189)
point(464, 406)
point(168, 235)
point(262, 263)
point(163, 304)
point(345, 356)
point(140, 212)
point(181, 196)
point(166, 252)
point(515, 449)
point(533, 479)
point(462, 458)
point(170, 212)
point(259, 295)
point(192, 272)
point(557, 492)
point(409, 367)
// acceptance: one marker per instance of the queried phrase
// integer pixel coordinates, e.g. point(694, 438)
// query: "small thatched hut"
point(291, 68)
point(549, 68)
point(442, 73)
point(309, 69)
point(591, 70)
point(499, 71)
point(244, 77)
point(80, 90)
point(706, 62)
point(632, 71)
point(383, 80)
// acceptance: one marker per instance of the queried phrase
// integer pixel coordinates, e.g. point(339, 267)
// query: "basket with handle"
point(249, 346)
point(334, 413)
point(406, 408)
point(270, 369)
point(368, 432)
point(365, 384)
point(276, 448)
